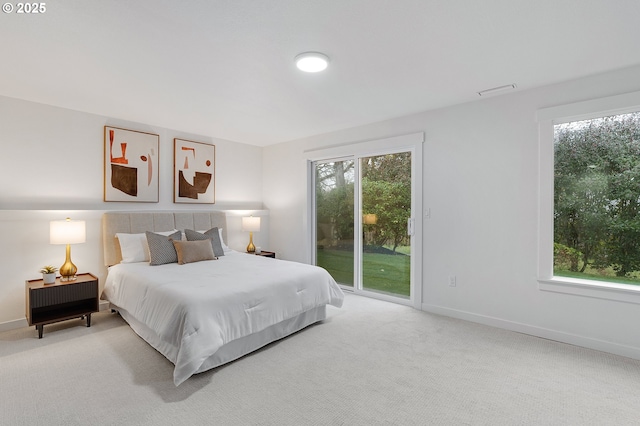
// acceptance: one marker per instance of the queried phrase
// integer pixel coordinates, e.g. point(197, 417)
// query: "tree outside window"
point(597, 199)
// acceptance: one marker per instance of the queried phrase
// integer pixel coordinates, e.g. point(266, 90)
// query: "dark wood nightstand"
point(63, 300)
point(265, 253)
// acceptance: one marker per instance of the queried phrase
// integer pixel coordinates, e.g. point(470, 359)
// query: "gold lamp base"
point(251, 248)
point(68, 270)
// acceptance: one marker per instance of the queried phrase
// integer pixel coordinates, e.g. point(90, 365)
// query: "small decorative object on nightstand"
point(61, 301)
point(49, 274)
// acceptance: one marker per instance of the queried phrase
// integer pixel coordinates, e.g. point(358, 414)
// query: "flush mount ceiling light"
point(312, 61)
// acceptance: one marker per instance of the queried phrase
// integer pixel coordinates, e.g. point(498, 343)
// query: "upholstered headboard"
point(156, 221)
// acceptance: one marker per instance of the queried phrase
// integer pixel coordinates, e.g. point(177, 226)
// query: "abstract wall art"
point(194, 165)
point(130, 165)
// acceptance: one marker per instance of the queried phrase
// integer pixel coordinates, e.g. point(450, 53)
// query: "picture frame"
point(131, 165)
point(194, 177)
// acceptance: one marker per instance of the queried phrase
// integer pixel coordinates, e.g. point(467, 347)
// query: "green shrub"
point(565, 258)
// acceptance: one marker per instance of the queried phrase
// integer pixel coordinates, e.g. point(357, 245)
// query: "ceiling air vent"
point(497, 90)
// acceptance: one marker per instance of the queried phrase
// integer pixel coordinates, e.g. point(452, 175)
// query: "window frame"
point(547, 118)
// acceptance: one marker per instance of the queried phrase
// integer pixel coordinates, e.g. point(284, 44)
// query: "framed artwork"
point(130, 165)
point(194, 177)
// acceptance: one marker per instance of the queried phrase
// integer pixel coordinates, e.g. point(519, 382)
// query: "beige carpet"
point(369, 363)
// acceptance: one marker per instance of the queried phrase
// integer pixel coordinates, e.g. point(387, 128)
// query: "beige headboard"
point(156, 221)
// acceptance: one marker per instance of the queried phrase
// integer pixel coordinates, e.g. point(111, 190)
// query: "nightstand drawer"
point(265, 253)
point(63, 294)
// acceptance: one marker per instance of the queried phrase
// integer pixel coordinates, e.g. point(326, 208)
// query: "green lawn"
point(597, 277)
point(382, 272)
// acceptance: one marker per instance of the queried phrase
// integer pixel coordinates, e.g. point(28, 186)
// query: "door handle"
point(410, 224)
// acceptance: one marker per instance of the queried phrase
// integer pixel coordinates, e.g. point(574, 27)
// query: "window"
point(596, 214)
point(590, 198)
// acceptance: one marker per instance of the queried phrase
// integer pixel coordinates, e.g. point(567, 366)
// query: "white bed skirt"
point(234, 349)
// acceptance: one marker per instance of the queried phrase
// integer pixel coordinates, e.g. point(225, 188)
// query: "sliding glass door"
point(363, 222)
point(386, 223)
point(334, 213)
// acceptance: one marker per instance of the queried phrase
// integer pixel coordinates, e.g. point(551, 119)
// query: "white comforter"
point(196, 308)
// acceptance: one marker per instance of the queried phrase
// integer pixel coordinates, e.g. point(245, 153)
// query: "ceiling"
point(224, 68)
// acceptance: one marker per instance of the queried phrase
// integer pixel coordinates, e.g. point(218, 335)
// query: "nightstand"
point(46, 304)
point(264, 253)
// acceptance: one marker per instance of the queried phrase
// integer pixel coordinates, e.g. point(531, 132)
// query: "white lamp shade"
point(67, 231)
point(251, 224)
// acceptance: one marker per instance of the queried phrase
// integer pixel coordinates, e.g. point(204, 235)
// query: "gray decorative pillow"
point(212, 234)
point(161, 249)
point(193, 251)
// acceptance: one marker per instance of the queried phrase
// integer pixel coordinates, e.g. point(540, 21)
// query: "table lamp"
point(67, 232)
point(251, 224)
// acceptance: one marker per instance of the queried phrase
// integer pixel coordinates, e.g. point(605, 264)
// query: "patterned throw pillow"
point(161, 249)
point(193, 251)
point(212, 234)
point(134, 247)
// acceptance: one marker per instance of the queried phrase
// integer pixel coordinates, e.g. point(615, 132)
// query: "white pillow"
point(225, 247)
point(134, 247)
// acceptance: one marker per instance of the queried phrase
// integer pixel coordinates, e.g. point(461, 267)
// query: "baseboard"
point(545, 333)
point(12, 325)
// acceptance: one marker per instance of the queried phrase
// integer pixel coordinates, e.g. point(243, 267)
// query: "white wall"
point(52, 158)
point(480, 170)
point(51, 167)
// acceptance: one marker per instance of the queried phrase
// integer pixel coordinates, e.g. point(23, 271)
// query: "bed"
point(203, 314)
